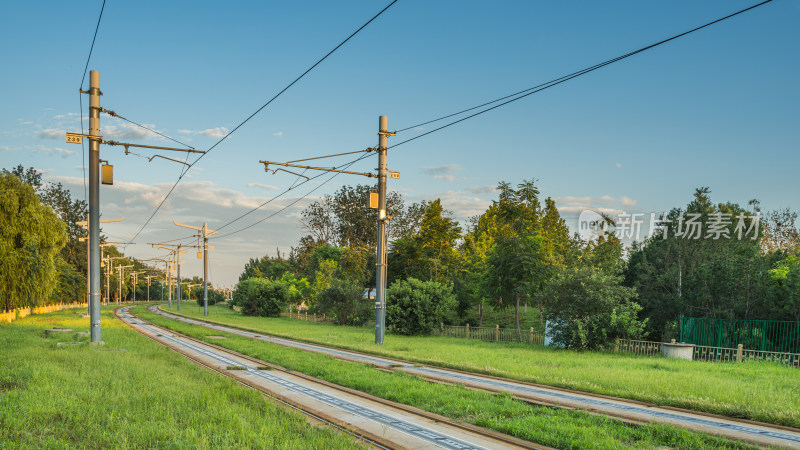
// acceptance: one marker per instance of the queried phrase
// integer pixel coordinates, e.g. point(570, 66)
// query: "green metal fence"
point(763, 335)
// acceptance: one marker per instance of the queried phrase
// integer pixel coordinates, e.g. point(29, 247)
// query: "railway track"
point(378, 422)
point(633, 411)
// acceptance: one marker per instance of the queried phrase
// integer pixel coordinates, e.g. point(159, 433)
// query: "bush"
point(416, 307)
point(261, 296)
point(345, 302)
point(587, 309)
point(214, 297)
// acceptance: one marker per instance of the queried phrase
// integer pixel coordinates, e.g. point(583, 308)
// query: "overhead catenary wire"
point(540, 87)
point(513, 97)
point(113, 114)
point(183, 173)
point(346, 165)
point(80, 100)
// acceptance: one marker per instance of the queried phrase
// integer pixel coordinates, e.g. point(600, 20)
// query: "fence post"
point(306, 315)
point(531, 339)
point(739, 353)
point(315, 317)
point(441, 325)
point(497, 333)
point(616, 346)
point(467, 330)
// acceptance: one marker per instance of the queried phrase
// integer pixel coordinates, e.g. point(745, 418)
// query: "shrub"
point(416, 307)
point(586, 309)
point(345, 302)
point(261, 296)
point(214, 297)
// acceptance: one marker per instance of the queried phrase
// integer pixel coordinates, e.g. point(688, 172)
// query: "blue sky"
point(717, 108)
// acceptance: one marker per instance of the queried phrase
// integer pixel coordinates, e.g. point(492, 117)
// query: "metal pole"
point(134, 287)
point(88, 271)
point(380, 270)
point(178, 258)
point(108, 280)
point(94, 205)
point(205, 269)
point(119, 284)
point(169, 283)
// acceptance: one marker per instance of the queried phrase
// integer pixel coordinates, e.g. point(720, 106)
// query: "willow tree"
point(31, 236)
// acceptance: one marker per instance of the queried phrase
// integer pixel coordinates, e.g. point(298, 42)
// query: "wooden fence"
point(10, 316)
point(710, 353)
point(304, 315)
point(492, 334)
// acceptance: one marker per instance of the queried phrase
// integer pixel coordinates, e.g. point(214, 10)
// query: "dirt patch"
point(7, 385)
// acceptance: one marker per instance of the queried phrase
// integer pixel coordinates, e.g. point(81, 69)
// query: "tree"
point(516, 269)
point(682, 272)
point(516, 265)
point(587, 308)
point(31, 236)
point(265, 267)
point(344, 301)
point(261, 296)
point(416, 307)
point(786, 276)
point(430, 253)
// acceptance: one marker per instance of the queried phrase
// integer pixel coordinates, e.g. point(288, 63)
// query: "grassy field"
point(130, 393)
point(767, 392)
point(548, 426)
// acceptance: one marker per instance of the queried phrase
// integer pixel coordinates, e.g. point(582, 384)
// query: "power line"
point(80, 101)
point(347, 165)
point(180, 177)
point(113, 114)
point(538, 88)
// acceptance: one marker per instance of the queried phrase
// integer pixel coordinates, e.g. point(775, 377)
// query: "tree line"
point(520, 252)
point(43, 250)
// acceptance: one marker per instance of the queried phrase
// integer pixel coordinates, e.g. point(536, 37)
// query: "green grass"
point(762, 391)
point(549, 426)
point(130, 393)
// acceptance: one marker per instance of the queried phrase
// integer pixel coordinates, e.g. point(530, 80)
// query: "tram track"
point(379, 422)
point(627, 410)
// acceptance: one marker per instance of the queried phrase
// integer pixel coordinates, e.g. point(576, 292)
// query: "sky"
point(715, 108)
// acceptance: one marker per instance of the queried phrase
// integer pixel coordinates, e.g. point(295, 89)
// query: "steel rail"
point(485, 433)
point(598, 398)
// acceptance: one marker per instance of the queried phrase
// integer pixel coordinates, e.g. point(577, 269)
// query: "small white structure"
point(677, 350)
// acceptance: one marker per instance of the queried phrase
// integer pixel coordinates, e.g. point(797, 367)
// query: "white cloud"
point(218, 132)
point(442, 172)
point(185, 131)
point(52, 133)
point(279, 133)
point(53, 150)
point(439, 170)
point(619, 166)
point(477, 190)
point(462, 206)
point(268, 187)
point(127, 131)
point(627, 201)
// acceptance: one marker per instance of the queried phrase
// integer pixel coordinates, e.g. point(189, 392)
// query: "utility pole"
point(135, 277)
point(94, 205)
point(119, 280)
point(203, 233)
point(176, 252)
point(376, 201)
point(85, 225)
point(149, 277)
point(380, 270)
